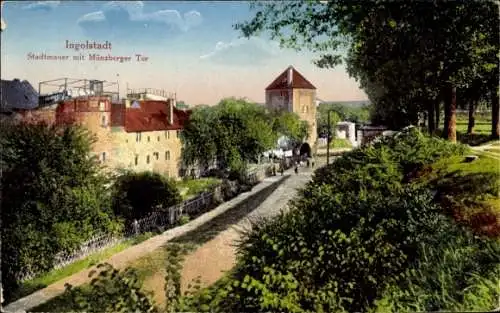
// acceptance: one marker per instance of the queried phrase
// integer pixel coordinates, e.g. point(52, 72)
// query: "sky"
point(191, 47)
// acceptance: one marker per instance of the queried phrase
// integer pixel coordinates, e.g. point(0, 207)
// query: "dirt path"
point(211, 260)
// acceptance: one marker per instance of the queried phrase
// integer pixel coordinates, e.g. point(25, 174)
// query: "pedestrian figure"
point(312, 164)
point(274, 170)
point(296, 170)
point(136, 227)
point(282, 170)
point(308, 163)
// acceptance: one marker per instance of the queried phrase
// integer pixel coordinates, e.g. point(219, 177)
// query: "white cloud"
point(135, 10)
point(92, 17)
point(42, 5)
point(252, 50)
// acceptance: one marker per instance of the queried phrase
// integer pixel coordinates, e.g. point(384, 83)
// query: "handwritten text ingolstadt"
point(90, 56)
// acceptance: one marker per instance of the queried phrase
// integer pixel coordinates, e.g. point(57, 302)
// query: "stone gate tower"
point(292, 92)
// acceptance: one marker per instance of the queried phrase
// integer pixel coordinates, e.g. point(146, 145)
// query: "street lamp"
point(328, 138)
point(118, 85)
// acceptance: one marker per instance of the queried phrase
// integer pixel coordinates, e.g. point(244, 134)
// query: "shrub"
point(54, 196)
point(111, 291)
point(387, 163)
point(138, 194)
point(332, 251)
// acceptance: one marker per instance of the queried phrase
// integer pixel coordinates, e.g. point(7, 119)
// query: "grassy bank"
point(40, 282)
point(191, 187)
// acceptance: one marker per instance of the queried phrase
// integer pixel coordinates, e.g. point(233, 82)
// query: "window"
point(149, 139)
point(103, 121)
point(304, 108)
point(158, 138)
point(147, 159)
point(136, 159)
point(104, 156)
point(168, 134)
point(157, 155)
point(102, 106)
point(167, 155)
point(138, 137)
point(177, 133)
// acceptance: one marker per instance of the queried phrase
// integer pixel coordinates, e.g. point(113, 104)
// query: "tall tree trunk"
point(450, 113)
point(472, 120)
point(495, 111)
point(430, 117)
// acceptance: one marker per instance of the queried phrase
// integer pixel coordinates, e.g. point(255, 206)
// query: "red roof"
point(153, 116)
point(289, 79)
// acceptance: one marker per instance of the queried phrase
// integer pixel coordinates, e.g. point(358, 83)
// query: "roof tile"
point(153, 116)
point(287, 81)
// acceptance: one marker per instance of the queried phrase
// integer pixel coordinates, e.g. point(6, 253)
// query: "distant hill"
point(354, 104)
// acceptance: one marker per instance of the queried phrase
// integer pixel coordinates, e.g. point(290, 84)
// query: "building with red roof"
point(137, 133)
point(292, 92)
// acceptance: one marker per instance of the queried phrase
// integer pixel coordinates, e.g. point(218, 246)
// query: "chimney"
point(172, 103)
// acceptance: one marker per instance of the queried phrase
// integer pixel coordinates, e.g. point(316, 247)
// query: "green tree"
point(135, 195)
point(54, 196)
point(288, 124)
point(233, 133)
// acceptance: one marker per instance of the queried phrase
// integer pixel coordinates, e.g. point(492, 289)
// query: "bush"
point(54, 196)
point(331, 243)
point(110, 291)
point(387, 163)
point(354, 230)
point(138, 194)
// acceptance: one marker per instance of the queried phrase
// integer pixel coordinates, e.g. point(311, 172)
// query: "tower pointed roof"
point(290, 79)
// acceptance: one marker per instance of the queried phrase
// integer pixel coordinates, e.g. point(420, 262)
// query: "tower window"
point(136, 159)
point(149, 139)
point(167, 155)
point(158, 138)
point(147, 159)
point(138, 137)
point(103, 121)
point(104, 156)
point(157, 155)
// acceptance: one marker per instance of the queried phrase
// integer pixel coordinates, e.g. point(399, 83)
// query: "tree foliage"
point(54, 196)
point(135, 195)
point(289, 125)
point(235, 132)
point(407, 56)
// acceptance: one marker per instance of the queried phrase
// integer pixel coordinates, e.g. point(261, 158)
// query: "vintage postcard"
point(249, 156)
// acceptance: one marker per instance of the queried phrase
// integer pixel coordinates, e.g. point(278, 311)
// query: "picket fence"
point(159, 220)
